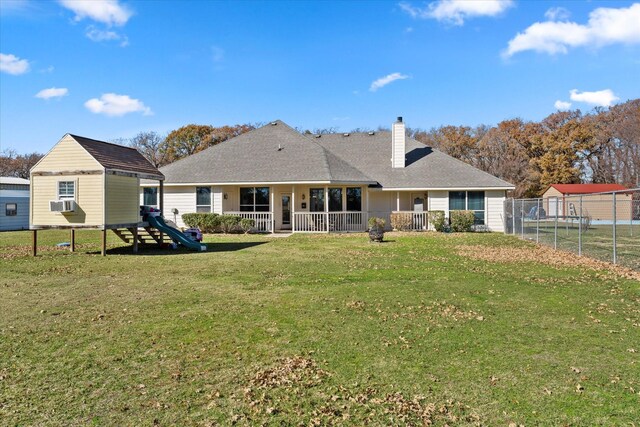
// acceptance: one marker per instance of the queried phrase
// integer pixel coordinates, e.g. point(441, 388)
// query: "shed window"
point(254, 199)
point(150, 196)
point(11, 209)
point(203, 199)
point(66, 190)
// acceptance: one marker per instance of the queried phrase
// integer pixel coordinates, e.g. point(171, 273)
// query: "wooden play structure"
point(82, 183)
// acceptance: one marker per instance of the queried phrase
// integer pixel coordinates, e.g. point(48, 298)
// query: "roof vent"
point(274, 123)
point(318, 135)
point(372, 133)
point(280, 147)
point(345, 134)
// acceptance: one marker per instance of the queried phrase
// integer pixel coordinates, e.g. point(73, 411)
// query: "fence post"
point(522, 219)
point(513, 216)
point(580, 229)
point(538, 221)
point(555, 230)
point(615, 254)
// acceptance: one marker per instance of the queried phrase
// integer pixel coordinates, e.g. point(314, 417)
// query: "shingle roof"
point(278, 153)
point(425, 167)
point(272, 153)
point(118, 157)
point(587, 188)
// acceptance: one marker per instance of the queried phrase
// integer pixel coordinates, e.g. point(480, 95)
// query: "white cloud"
point(11, 64)
point(562, 105)
point(456, 11)
point(53, 92)
point(109, 12)
point(98, 35)
point(557, 14)
point(383, 81)
point(114, 105)
point(605, 26)
point(600, 98)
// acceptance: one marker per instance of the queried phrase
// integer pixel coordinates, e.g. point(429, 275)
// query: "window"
point(203, 199)
point(254, 199)
point(468, 200)
point(150, 196)
point(66, 190)
point(335, 200)
point(457, 200)
point(316, 203)
point(475, 203)
point(354, 199)
point(11, 209)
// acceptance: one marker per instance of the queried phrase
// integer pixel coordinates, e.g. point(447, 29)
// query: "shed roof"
point(13, 180)
point(586, 188)
point(118, 157)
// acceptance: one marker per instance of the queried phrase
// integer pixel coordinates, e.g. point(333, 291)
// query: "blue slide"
point(176, 235)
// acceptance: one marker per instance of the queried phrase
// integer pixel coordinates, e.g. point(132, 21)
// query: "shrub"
point(437, 219)
point(461, 221)
point(206, 222)
point(401, 221)
point(375, 222)
point(246, 224)
point(229, 223)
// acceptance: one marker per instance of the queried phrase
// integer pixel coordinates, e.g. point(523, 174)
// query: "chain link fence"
point(604, 226)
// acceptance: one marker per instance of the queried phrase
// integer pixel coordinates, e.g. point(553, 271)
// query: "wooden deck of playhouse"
point(135, 234)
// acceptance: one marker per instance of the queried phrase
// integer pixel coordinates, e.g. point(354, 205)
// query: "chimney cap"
point(399, 119)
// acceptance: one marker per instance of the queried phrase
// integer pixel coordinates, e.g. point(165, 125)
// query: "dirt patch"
point(544, 255)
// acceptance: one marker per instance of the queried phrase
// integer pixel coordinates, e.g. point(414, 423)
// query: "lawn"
point(463, 329)
point(597, 241)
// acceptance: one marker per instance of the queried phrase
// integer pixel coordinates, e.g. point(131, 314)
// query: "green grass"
point(312, 329)
point(597, 241)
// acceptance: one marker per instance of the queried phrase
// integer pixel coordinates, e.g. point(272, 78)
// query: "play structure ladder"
point(146, 235)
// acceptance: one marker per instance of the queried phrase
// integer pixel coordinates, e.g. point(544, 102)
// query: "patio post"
point(326, 208)
point(397, 201)
point(273, 210)
point(293, 208)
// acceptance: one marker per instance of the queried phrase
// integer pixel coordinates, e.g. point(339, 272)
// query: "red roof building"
point(586, 188)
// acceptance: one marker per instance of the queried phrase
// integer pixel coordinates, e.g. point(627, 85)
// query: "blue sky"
point(110, 69)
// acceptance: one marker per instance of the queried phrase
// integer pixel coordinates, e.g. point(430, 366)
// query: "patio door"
point(285, 205)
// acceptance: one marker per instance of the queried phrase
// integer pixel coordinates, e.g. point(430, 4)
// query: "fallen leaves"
point(544, 255)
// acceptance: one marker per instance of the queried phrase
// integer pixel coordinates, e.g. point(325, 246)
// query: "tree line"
point(566, 147)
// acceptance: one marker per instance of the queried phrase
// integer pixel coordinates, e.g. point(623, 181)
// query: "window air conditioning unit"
point(62, 205)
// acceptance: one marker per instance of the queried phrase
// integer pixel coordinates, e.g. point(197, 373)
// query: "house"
point(285, 180)
point(596, 201)
point(83, 183)
point(14, 203)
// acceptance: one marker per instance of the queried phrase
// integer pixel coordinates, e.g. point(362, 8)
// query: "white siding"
point(494, 201)
point(216, 199)
point(398, 145)
point(181, 198)
point(439, 201)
